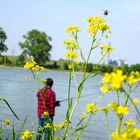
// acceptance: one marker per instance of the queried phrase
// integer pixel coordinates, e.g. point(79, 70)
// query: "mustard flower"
point(106, 48)
point(71, 55)
point(127, 134)
point(135, 101)
point(45, 114)
point(44, 80)
point(70, 66)
point(47, 126)
point(70, 44)
point(27, 135)
point(73, 28)
point(90, 107)
point(32, 65)
point(114, 79)
point(64, 123)
point(117, 79)
point(113, 104)
point(104, 89)
point(84, 115)
point(132, 78)
point(7, 122)
point(115, 136)
point(105, 109)
point(97, 24)
point(107, 78)
point(129, 123)
point(122, 110)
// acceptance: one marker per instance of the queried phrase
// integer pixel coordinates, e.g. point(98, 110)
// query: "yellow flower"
point(104, 88)
point(44, 114)
point(64, 123)
point(105, 109)
point(71, 55)
point(115, 136)
point(107, 78)
point(47, 126)
point(27, 135)
point(44, 80)
point(113, 104)
point(32, 65)
point(131, 79)
point(73, 28)
point(70, 66)
point(135, 101)
point(116, 79)
point(90, 107)
point(106, 48)
point(97, 24)
point(122, 110)
point(70, 45)
point(84, 115)
point(130, 122)
point(7, 122)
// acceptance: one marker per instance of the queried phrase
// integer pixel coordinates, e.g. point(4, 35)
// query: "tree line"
point(36, 45)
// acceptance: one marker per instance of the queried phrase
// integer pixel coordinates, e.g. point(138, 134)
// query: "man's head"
point(49, 82)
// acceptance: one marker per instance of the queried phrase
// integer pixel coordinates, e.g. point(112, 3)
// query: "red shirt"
point(46, 101)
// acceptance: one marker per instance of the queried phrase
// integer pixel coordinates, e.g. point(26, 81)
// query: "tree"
point(3, 37)
point(20, 59)
point(37, 45)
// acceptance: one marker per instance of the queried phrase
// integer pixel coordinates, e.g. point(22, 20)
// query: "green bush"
point(20, 60)
point(89, 67)
point(65, 66)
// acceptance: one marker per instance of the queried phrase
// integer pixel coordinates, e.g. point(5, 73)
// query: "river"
point(21, 94)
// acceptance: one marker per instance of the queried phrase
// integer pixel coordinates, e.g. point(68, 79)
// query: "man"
point(46, 108)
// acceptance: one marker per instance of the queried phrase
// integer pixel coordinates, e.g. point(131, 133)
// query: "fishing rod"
point(64, 100)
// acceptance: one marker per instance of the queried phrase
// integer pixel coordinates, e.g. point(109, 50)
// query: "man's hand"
point(57, 103)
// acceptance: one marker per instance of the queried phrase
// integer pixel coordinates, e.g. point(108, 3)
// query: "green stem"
point(78, 137)
point(118, 97)
point(108, 129)
point(68, 110)
point(121, 117)
point(82, 55)
point(36, 81)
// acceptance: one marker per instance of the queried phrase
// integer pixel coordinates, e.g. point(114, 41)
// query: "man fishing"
point(46, 108)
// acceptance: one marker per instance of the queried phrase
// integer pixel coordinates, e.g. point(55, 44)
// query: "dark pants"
point(42, 122)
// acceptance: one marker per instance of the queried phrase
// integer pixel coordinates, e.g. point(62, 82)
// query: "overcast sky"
point(17, 17)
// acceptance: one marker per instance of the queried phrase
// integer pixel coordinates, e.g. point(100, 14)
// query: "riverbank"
point(63, 66)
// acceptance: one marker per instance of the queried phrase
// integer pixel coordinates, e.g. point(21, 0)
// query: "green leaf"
point(11, 109)
point(1, 133)
point(21, 129)
point(13, 133)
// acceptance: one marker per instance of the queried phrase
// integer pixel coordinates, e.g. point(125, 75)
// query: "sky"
point(17, 17)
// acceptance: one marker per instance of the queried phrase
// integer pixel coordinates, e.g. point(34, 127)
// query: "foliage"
point(66, 66)
point(53, 65)
point(37, 45)
point(89, 67)
point(20, 60)
point(3, 37)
